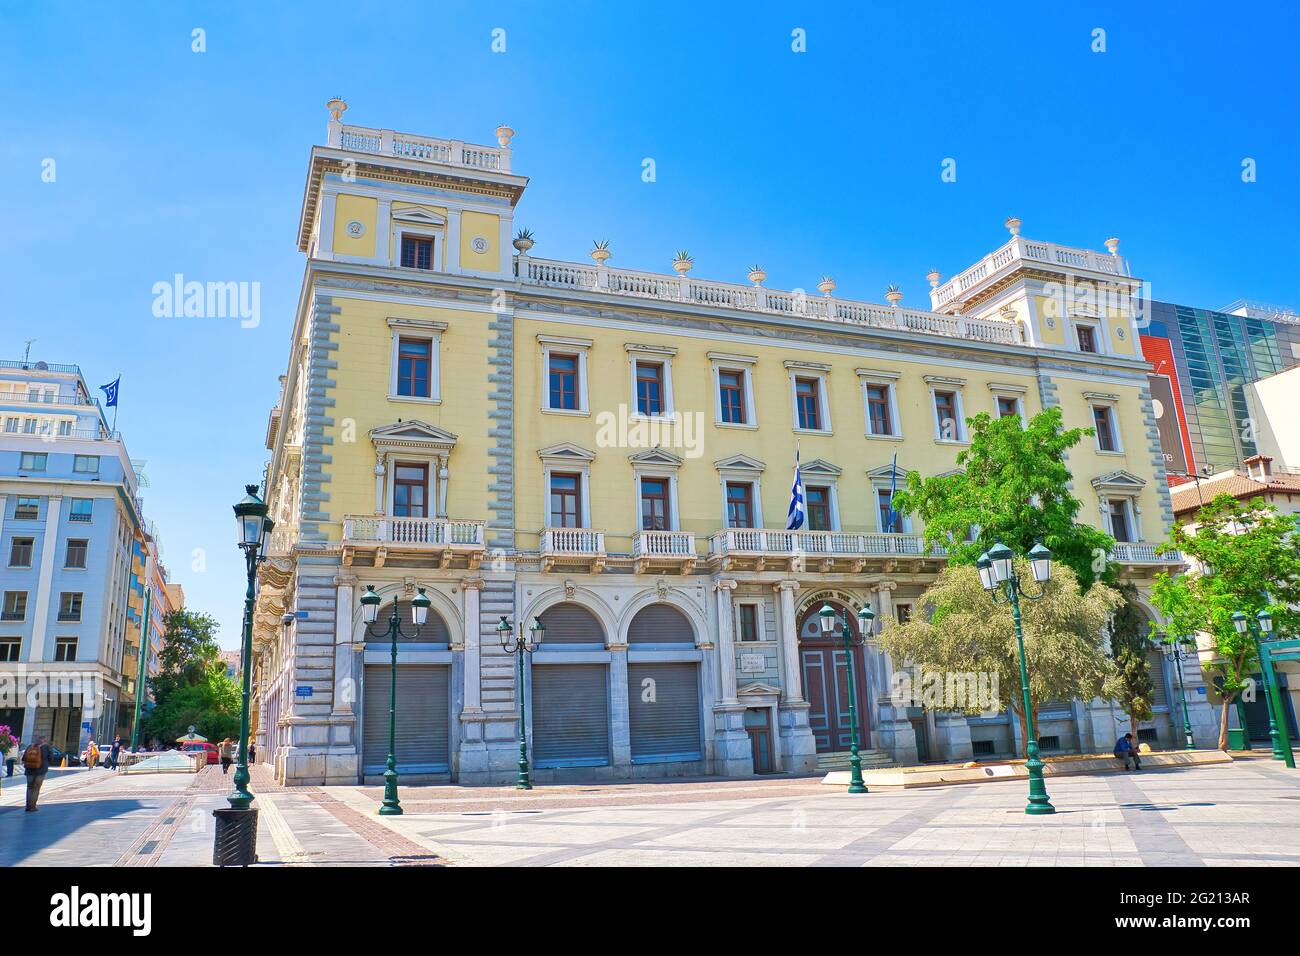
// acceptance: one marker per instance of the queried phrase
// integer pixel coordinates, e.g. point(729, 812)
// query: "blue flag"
point(110, 392)
point(794, 520)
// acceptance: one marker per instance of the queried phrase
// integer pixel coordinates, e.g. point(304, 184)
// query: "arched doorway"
point(826, 681)
point(570, 692)
point(423, 712)
point(663, 695)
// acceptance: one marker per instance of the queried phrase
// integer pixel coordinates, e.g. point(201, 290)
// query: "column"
point(726, 640)
point(473, 691)
point(442, 486)
point(619, 715)
point(345, 680)
point(38, 650)
point(381, 473)
point(453, 241)
point(892, 731)
point(792, 685)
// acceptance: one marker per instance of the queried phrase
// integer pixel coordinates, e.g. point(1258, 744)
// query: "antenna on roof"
point(27, 352)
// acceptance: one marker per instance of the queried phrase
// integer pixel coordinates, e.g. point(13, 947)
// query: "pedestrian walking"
point(1126, 752)
point(252, 753)
point(92, 755)
point(112, 754)
point(36, 763)
point(223, 751)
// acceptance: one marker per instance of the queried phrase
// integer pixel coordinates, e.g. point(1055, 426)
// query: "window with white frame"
point(1087, 335)
point(655, 473)
point(1009, 401)
point(948, 412)
point(809, 399)
point(564, 374)
point(880, 403)
point(1120, 518)
point(417, 250)
point(733, 388)
point(1105, 423)
point(651, 371)
point(415, 372)
point(566, 476)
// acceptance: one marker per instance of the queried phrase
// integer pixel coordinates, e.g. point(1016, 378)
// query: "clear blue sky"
point(822, 162)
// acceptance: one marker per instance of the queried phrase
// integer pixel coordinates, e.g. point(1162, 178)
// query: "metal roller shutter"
point(570, 715)
point(660, 624)
point(423, 718)
point(664, 711)
point(434, 630)
point(572, 624)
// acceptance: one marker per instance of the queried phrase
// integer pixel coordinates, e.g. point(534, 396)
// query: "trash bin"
point(236, 839)
point(1238, 739)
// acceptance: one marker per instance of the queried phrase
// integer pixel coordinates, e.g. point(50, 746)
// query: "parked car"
point(209, 748)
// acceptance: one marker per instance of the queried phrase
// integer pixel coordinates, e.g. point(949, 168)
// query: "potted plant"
point(600, 251)
point(682, 262)
point(757, 274)
point(826, 286)
point(893, 294)
point(523, 240)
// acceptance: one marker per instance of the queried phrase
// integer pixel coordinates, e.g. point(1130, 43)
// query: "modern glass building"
point(1215, 355)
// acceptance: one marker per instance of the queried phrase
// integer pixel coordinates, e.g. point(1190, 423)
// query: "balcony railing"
point(565, 545)
point(823, 547)
point(651, 549)
point(1141, 552)
point(430, 533)
point(428, 149)
point(1020, 249)
point(555, 274)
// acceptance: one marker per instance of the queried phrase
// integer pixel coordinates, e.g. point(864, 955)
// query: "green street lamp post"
point(1265, 627)
point(826, 617)
point(1174, 647)
point(370, 602)
point(525, 642)
point(998, 575)
point(236, 830)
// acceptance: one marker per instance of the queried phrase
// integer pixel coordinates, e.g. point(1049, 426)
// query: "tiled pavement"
point(1247, 813)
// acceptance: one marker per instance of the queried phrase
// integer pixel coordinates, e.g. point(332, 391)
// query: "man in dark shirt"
point(36, 773)
point(117, 748)
point(1125, 751)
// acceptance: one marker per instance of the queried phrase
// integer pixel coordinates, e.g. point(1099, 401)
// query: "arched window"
point(660, 624)
point(571, 623)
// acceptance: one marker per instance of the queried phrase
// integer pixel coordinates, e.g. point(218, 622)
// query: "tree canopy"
point(192, 687)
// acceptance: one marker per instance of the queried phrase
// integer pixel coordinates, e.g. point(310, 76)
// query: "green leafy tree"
point(1012, 487)
point(191, 687)
point(1247, 559)
point(1130, 647)
point(959, 630)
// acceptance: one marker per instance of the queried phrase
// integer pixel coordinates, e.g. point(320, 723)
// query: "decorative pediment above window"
point(412, 435)
point(757, 689)
point(739, 463)
point(418, 217)
point(886, 472)
point(656, 456)
point(566, 451)
point(820, 468)
point(1119, 481)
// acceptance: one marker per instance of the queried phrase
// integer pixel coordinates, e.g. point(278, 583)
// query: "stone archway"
point(825, 671)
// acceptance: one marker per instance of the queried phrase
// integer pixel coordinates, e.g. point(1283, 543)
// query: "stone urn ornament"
point(757, 274)
point(933, 276)
point(826, 286)
point(523, 240)
point(1013, 225)
point(600, 251)
point(682, 262)
point(893, 295)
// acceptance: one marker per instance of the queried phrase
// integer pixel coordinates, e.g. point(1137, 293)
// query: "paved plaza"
point(1243, 814)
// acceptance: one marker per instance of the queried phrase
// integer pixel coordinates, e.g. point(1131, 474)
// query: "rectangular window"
point(566, 501)
point(417, 253)
point(29, 426)
point(654, 504)
point(20, 552)
point(1104, 422)
point(27, 509)
point(11, 424)
point(878, 419)
point(740, 504)
point(1087, 338)
point(563, 374)
point(76, 556)
point(650, 388)
point(70, 606)
point(86, 464)
point(414, 364)
point(32, 461)
point(65, 428)
point(15, 606)
point(807, 396)
point(817, 500)
point(1008, 407)
point(1120, 528)
point(891, 522)
point(945, 412)
point(11, 648)
point(411, 491)
point(80, 509)
point(748, 618)
point(65, 648)
point(731, 396)
point(902, 613)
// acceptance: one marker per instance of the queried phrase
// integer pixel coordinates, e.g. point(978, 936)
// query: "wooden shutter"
point(423, 718)
point(660, 624)
point(571, 624)
point(664, 711)
point(570, 714)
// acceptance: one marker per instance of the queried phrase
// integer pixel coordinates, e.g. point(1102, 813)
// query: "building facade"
point(70, 523)
point(611, 452)
point(149, 588)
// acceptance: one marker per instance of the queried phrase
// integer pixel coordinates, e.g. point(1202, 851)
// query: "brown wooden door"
point(759, 728)
point(826, 688)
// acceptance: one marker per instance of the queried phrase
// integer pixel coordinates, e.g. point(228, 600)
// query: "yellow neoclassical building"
point(611, 452)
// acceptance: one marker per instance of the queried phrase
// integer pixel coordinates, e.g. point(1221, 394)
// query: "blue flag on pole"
point(110, 393)
point(795, 518)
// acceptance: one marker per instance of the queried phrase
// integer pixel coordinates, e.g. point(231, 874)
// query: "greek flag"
point(110, 393)
point(795, 519)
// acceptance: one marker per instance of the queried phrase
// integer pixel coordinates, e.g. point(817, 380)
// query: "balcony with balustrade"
point(664, 551)
point(1141, 559)
point(565, 548)
point(761, 549)
point(451, 542)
